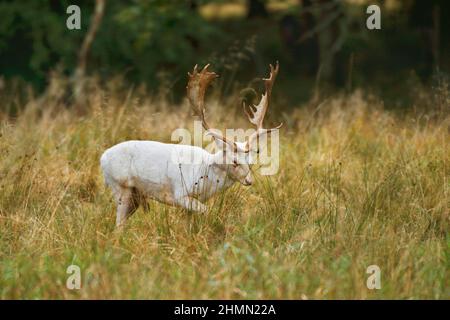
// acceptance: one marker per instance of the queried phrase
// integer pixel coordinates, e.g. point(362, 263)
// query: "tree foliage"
point(151, 40)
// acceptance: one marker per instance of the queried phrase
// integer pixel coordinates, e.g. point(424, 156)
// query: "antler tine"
point(257, 113)
point(196, 89)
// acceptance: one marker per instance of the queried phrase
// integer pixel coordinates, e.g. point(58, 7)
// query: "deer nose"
point(248, 181)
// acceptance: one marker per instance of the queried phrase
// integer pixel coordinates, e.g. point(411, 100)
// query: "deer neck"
point(219, 172)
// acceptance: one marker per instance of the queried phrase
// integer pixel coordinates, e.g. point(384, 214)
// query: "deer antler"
point(196, 88)
point(257, 113)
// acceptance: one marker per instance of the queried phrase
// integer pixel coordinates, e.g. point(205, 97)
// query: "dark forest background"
point(322, 45)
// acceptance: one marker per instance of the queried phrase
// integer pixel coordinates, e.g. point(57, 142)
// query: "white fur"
point(135, 170)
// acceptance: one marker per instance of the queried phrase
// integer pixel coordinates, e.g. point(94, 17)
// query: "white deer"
point(136, 170)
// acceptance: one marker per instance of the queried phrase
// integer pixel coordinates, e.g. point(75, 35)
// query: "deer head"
point(235, 156)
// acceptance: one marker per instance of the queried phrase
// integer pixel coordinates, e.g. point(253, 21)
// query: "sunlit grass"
point(357, 186)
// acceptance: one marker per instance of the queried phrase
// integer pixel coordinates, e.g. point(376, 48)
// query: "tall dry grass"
point(357, 186)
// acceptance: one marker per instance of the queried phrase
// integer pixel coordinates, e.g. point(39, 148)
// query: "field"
point(358, 185)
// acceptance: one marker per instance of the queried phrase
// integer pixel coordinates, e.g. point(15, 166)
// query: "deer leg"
point(140, 199)
point(126, 204)
point(192, 204)
point(136, 200)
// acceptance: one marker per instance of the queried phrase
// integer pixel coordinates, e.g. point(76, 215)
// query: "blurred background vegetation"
point(322, 45)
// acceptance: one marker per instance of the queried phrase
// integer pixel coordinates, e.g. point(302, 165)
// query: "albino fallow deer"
point(136, 170)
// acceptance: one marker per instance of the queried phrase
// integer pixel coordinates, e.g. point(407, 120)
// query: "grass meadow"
point(358, 185)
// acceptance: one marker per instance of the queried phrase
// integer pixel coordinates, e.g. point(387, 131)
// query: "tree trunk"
point(79, 77)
